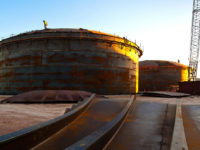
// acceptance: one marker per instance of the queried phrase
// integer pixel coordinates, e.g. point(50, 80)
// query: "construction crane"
point(195, 41)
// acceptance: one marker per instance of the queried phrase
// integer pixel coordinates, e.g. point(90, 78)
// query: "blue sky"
point(162, 27)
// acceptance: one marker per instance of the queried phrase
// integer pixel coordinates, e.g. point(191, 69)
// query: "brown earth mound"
point(48, 96)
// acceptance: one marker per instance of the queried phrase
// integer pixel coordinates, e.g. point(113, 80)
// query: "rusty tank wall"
point(160, 75)
point(71, 59)
point(190, 87)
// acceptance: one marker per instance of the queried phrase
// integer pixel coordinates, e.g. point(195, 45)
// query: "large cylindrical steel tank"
point(73, 59)
point(160, 75)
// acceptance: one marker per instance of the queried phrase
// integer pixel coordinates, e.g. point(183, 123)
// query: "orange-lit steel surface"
point(100, 112)
point(72, 59)
point(160, 75)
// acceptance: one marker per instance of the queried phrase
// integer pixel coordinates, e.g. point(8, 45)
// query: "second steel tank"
point(161, 75)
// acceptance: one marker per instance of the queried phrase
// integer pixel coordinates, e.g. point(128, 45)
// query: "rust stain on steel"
point(68, 59)
point(24, 60)
point(179, 112)
point(160, 75)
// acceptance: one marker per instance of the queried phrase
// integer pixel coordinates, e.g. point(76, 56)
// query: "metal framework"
point(195, 41)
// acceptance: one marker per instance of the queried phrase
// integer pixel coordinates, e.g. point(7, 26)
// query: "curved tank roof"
point(71, 33)
point(63, 30)
point(161, 63)
point(66, 30)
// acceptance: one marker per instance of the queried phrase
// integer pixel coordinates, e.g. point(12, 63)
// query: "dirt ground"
point(18, 116)
point(191, 100)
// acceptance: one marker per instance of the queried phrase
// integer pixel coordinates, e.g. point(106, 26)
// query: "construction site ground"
point(18, 116)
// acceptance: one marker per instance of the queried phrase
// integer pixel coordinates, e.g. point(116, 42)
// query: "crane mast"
point(195, 41)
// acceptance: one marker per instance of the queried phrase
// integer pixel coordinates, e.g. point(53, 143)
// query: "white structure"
point(195, 37)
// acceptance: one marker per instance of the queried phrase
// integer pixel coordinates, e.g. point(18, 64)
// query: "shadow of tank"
point(68, 59)
point(161, 75)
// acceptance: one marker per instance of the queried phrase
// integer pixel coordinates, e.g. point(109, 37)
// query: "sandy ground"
point(19, 116)
point(191, 100)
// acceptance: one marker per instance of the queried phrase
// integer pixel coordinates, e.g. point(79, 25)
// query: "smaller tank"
point(161, 75)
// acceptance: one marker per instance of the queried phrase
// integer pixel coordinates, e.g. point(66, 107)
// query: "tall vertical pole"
point(195, 41)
